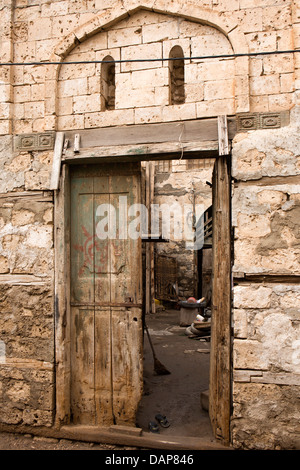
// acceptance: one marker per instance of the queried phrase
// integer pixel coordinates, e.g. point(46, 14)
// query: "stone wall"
point(183, 183)
point(36, 99)
point(27, 307)
point(266, 294)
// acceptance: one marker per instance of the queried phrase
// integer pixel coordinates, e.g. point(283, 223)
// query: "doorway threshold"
point(136, 437)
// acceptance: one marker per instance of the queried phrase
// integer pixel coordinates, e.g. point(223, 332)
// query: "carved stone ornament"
point(30, 142)
point(254, 121)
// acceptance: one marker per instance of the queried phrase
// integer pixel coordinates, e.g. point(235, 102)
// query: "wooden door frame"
point(166, 149)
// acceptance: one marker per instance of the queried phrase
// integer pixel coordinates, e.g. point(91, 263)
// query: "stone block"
point(65, 106)
point(190, 29)
point(264, 416)
point(277, 17)
point(161, 95)
point(5, 127)
point(249, 354)
point(22, 217)
point(135, 99)
point(37, 92)
point(6, 93)
point(262, 41)
point(34, 109)
point(148, 115)
point(266, 154)
point(76, 71)
point(71, 122)
point(216, 42)
point(148, 78)
point(39, 237)
point(250, 20)
point(212, 108)
point(160, 31)
point(259, 104)
point(124, 37)
point(4, 265)
point(274, 63)
point(209, 71)
point(218, 90)
point(240, 323)
point(194, 92)
point(272, 199)
point(179, 112)
point(281, 102)
point(72, 87)
point(252, 297)
point(5, 110)
point(287, 82)
point(143, 52)
point(268, 84)
point(252, 226)
point(86, 104)
point(39, 30)
point(117, 117)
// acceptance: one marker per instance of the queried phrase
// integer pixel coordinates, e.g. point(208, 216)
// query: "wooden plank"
point(127, 371)
point(56, 164)
point(103, 367)
point(145, 440)
point(269, 181)
point(147, 248)
point(151, 246)
point(106, 340)
point(266, 278)
point(43, 196)
point(223, 135)
point(62, 292)
point(126, 322)
point(220, 359)
point(137, 152)
point(23, 280)
point(183, 131)
point(82, 366)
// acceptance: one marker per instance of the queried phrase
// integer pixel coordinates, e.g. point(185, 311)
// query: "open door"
point(220, 359)
point(106, 296)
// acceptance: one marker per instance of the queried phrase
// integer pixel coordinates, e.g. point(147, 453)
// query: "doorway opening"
point(171, 277)
point(177, 296)
point(182, 293)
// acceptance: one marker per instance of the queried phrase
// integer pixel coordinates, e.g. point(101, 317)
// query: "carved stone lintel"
point(31, 142)
point(254, 121)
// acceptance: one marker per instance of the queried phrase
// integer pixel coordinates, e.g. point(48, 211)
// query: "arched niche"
point(203, 95)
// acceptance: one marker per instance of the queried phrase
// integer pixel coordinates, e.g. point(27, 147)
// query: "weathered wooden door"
point(106, 296)
point(220, 357)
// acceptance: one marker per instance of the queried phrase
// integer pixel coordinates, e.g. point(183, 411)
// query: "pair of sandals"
point(162, 420)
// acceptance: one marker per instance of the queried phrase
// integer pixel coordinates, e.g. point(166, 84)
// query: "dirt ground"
point(178, 395)
point(9, 441)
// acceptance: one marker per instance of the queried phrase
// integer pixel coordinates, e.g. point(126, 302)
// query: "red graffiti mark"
point(90, 247)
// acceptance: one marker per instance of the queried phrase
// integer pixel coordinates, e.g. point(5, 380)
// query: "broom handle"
point(154, 355)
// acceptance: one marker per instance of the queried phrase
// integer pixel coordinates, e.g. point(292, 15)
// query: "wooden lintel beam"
point(266, 277)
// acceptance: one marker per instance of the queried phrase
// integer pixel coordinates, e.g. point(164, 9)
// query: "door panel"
point(106, 298)
point(82, 362)
point(103, 369)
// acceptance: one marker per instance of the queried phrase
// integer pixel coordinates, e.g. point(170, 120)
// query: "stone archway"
point(184, 10)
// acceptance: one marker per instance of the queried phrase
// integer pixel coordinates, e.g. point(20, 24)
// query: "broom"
point(159, 368)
